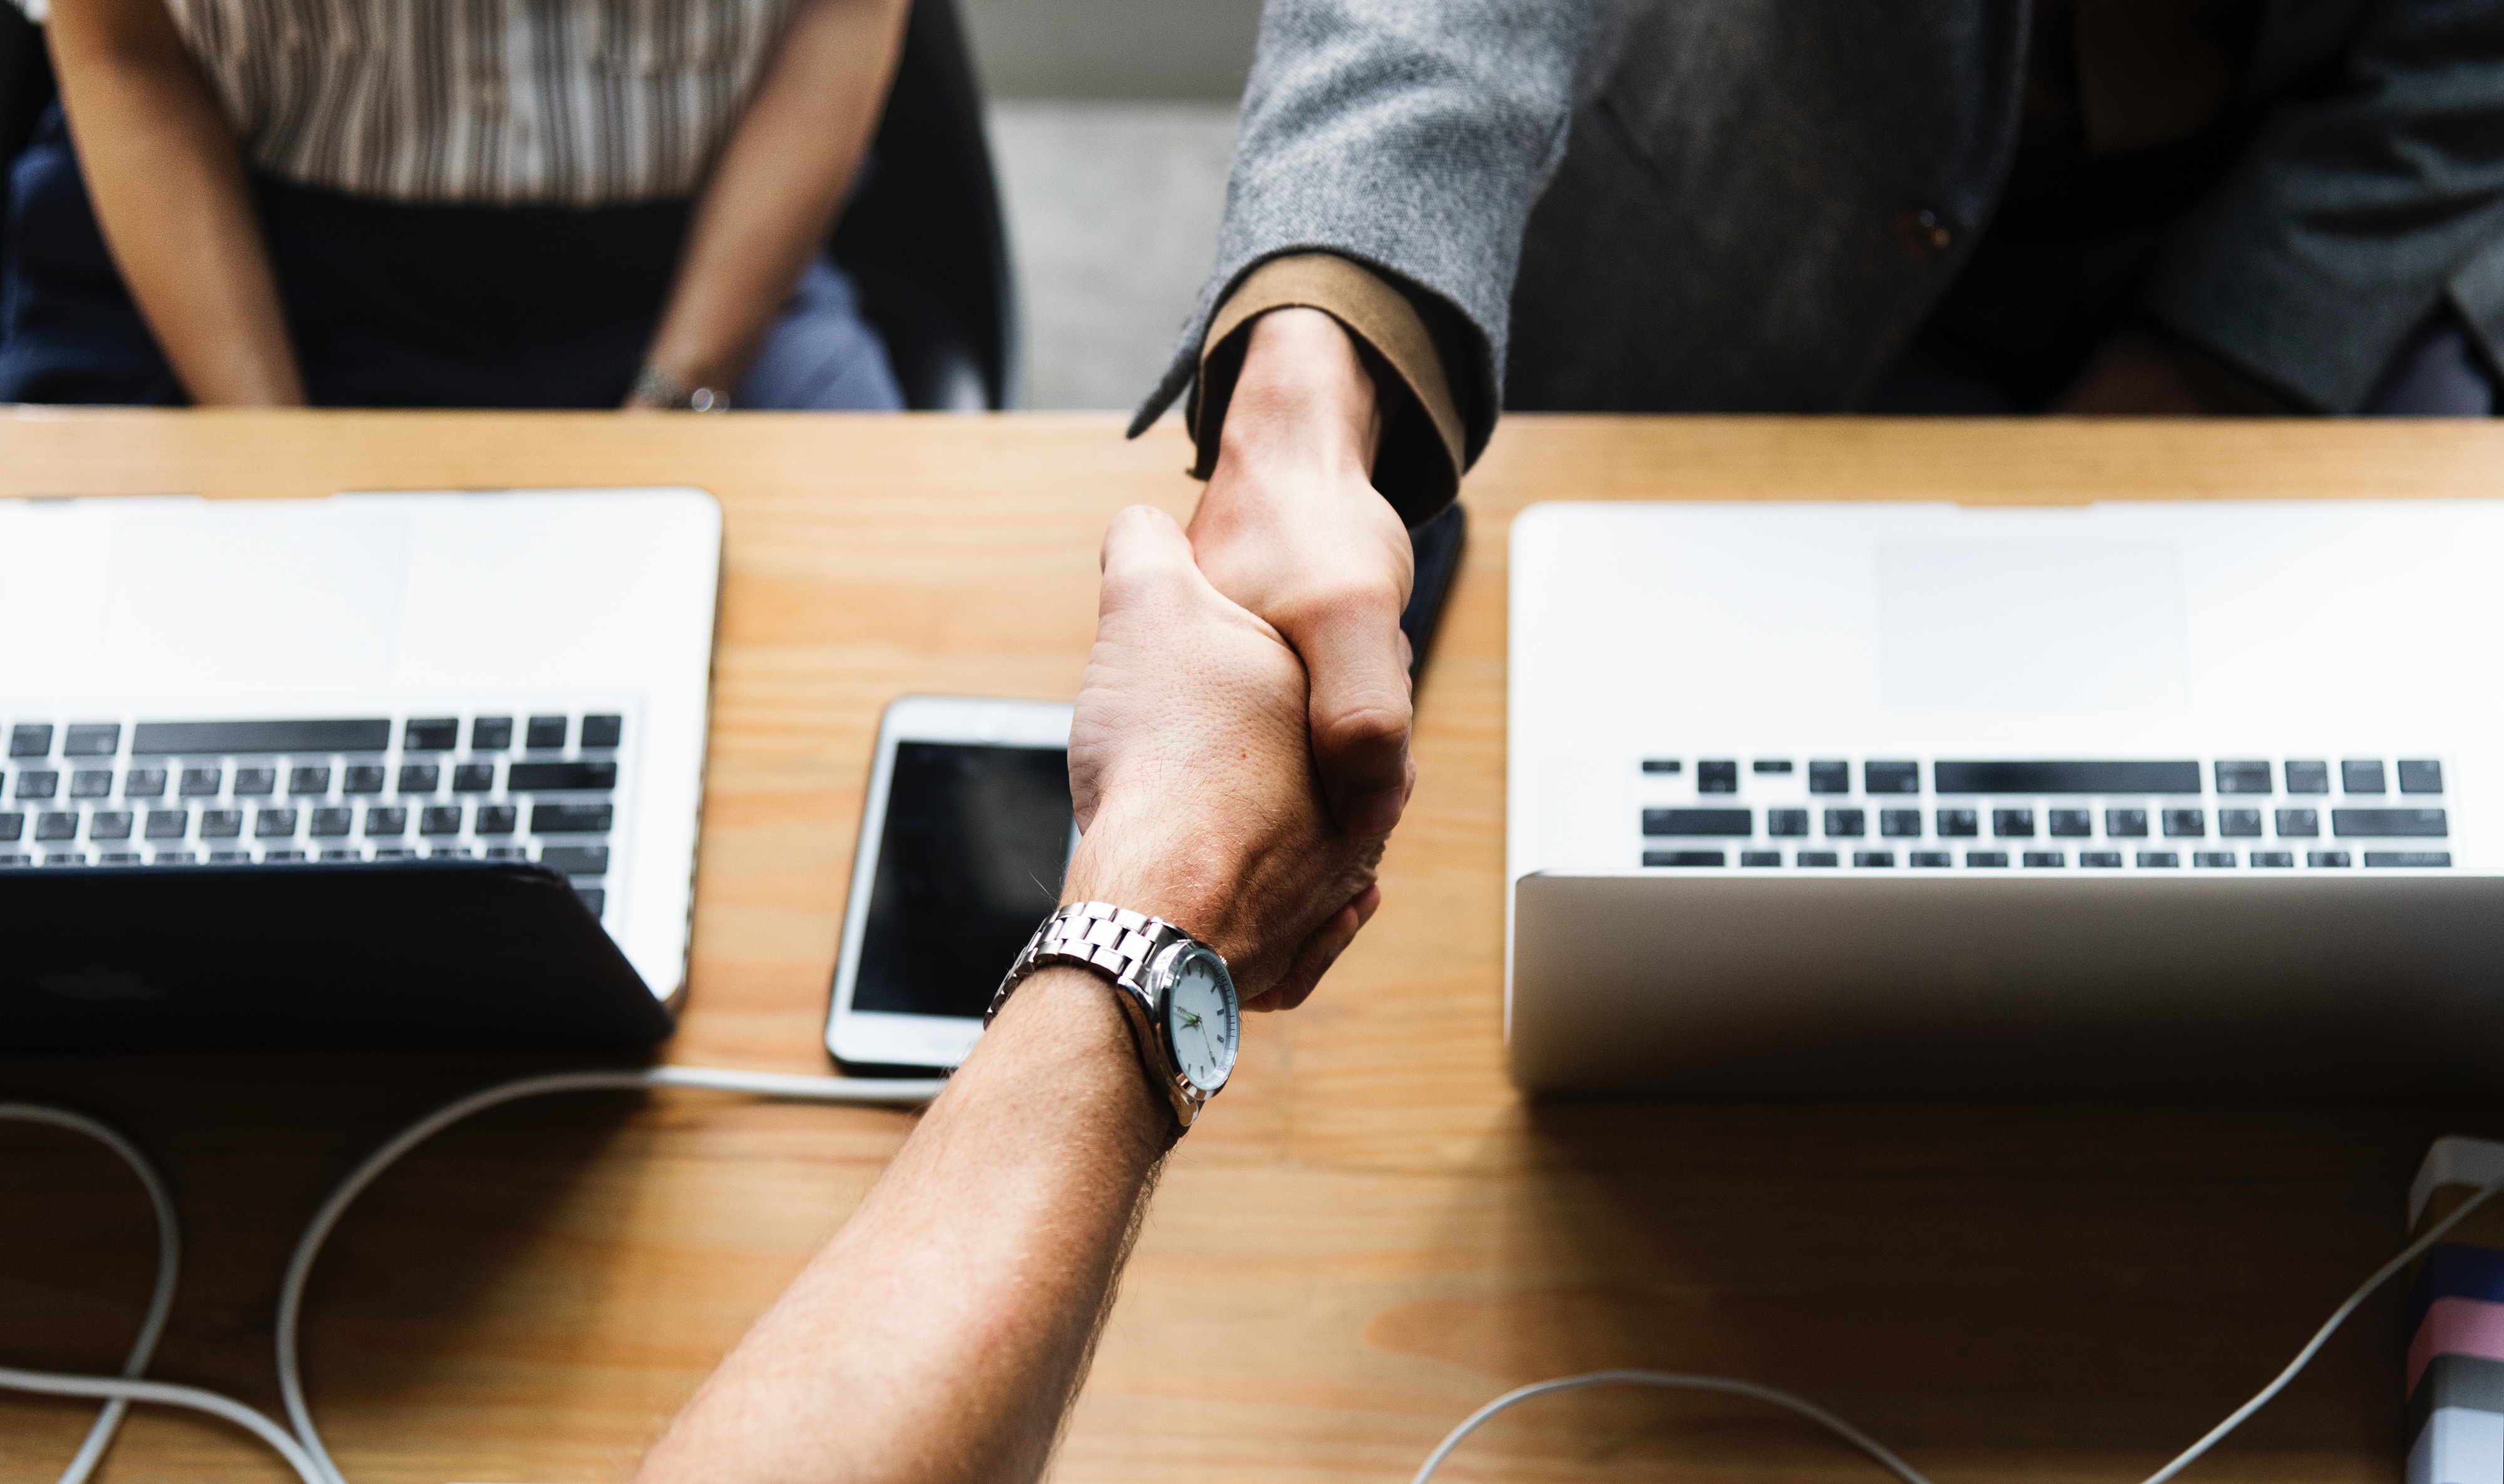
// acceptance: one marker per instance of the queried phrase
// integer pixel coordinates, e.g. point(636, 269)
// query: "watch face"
point(1201, 1021)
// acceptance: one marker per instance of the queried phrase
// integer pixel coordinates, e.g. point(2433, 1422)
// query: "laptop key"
point(12, 825)
point(2043, 858)
point(2238, 823)
point(274, 857)
point(144, 784)
point(1814, 858)
point(203, 782)
point(2102, 860)
point(386, 822)
point(2008, 822)
point(2298, 823)
point(491, 734)
point(30, 740)
point(1986, 860)
point(2212, 859)
point(608, 729)
point(229, 857)
point(2360, 777)
point(1786, 821)
point(215, 739)
point(1666, 857)
point(1662, 764)
point(441, 819)
point(345, 853)
point(2186, 823)
point(109, 824)
point(1900, 823)
point(593, 860)
point(2420, 776)
point(547, 732)
point(1955, 823)
point(118, 858)
point(473, 777)
point(2422, 822)
point(602, 777)
point(38, 783)
point(1760, 764)
point(168, 823)
point(221, 823)
point(330, 822)
point(593, 897)
point(1873, 858)
point(431, 733)
point(1931, 858)
point(2071, 823)
point(2150, 860)
point(2283, 860)
point(2408, 858)
point(1846, 824)
point(1891, 778)
point(2308, 778)
point(2065, 777)
point(308, 781)
point(420, 777)
point(1713, 778)
point(2125, 823)
point(91, 783)
point(56, 826)
point(496, 818)
point(599, 818)
point(1740, 822)
point(2323, 858)
point(2243, 777)
point(92, 738)
point(255, 782)
point(1827, 777)
point(274, 824)
point(1761, 857)
point(507, 852)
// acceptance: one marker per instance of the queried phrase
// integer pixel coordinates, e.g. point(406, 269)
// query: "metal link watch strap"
point(1098, 935)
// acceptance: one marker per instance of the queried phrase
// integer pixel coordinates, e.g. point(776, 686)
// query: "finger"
point(1318, 952)
point(1144, 552)
point(1354, 653)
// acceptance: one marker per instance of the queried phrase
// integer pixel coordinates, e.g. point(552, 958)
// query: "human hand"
point(1193, 776)
point(1292, 529)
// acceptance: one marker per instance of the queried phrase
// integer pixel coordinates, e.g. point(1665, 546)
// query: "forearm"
point(941, 1334)
point(170, 193)
point(773, 195)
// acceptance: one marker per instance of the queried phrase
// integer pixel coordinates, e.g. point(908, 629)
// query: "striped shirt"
point(485, 102)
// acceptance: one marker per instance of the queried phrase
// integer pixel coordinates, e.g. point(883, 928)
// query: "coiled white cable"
point(305, 1453)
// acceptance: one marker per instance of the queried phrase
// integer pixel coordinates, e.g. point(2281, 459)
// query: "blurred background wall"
point(1111, 122)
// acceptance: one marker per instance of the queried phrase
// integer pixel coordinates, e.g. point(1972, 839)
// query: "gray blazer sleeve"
point(2361, 206)
point(1411, 136)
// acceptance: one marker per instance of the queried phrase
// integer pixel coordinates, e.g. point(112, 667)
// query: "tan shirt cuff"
point(1419, 462)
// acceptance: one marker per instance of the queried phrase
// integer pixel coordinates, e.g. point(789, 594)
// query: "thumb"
point(1145, 556)
point(1355, 657)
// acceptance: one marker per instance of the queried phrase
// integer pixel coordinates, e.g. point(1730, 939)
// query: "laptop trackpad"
point(2031, 626)
point(213, 604)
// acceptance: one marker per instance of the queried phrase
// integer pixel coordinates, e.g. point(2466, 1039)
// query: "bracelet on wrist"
point(661, 389)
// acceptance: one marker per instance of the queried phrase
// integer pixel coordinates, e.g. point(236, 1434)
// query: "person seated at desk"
point(1441, 208)
point(943, 1332)
point(520, 203)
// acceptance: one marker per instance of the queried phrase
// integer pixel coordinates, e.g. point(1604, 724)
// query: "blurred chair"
point(924, 235)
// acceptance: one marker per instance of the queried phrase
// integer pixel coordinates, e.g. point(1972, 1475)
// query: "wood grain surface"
point(1371, 1234)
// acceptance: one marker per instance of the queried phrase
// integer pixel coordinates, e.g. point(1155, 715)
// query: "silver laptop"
point(2126, 800)
point(514, 675)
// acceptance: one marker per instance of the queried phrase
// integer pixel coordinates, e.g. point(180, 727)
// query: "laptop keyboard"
point(538, 786)
point(2251, 813)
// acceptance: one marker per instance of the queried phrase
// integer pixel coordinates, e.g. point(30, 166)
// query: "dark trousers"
point(391, 306)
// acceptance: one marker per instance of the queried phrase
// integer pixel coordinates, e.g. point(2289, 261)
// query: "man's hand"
point(1193, 776)
point(1292, 529)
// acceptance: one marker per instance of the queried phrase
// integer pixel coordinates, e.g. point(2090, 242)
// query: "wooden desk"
point(1372, 1235)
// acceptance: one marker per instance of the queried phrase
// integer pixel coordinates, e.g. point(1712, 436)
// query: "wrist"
point(1064, 1028)
point(1302, 400)
point(1185, 884)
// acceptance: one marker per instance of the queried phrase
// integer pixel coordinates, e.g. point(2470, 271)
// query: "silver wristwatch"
point(1174, 989)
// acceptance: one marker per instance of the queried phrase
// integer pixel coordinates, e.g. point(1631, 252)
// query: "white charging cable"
point(305, 1453)
point(303, 1450)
